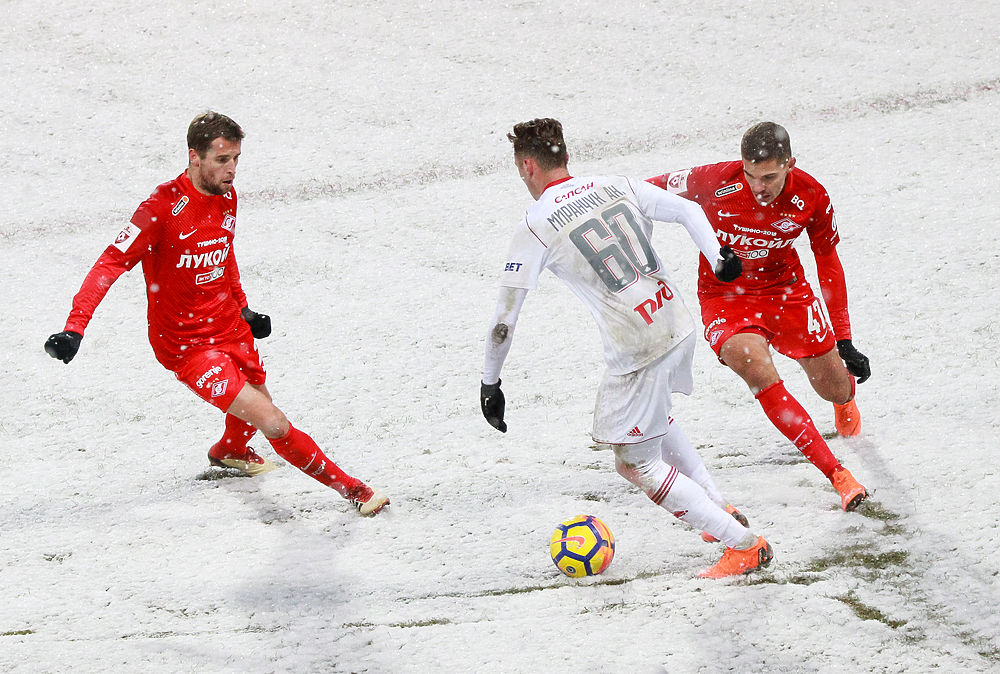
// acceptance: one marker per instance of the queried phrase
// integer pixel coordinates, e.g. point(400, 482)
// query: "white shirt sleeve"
point(501, 332)
point(526, 258)
point(661, 205)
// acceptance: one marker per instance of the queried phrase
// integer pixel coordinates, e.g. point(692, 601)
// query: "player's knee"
point(272, 423)
point(642, 473)
point(842, 395)
point(625, 469)
point(834, 389)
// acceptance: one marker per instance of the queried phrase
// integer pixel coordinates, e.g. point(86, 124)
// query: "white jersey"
point(594, 234)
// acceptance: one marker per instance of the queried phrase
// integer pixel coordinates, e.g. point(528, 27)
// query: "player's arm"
point(823, 240)
point(498, 341)
point(675, 182)
point(129, 247)
point(109, 266)
point(260, 324)
point(833, 285)
point(661, 205)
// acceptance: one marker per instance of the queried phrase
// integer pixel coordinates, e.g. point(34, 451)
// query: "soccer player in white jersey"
point(594, 233)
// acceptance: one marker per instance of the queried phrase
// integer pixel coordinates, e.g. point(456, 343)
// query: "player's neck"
point(547, 179)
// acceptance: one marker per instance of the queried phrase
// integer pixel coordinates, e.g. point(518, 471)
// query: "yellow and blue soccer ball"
point(582, 546)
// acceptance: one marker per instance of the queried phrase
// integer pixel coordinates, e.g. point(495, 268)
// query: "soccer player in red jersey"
point(200, 326)
point(759, 206)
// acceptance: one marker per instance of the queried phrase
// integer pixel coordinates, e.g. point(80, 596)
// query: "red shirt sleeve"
point(109, 266)
point(129, 248)
point(235, 286)
point(674, 181)
point(833, 284)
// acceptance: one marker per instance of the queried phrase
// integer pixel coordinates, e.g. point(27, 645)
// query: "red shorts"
point(217, 374)
point(794, 322)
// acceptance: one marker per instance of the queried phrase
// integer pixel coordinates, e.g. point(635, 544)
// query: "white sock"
point(670, 489)
point(677, 450)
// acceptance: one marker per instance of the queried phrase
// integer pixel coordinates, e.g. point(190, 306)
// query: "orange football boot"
point(852, 493)
point(847, 418)
point(736, 562)
point(245, 460)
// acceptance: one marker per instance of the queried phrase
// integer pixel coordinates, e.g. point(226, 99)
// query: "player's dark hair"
point(765, 141)
point(542, 140)
point(208, 126)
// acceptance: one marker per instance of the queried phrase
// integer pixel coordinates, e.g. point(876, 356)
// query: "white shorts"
point(635, 407)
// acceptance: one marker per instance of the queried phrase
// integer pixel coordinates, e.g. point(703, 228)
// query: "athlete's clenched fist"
point(63, 345)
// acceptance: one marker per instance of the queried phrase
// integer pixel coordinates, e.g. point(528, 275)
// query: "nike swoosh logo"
point(184, 236)
point(576, 539)
point(723, 214)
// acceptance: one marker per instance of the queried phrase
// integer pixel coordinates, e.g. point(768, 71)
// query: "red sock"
point(235, 438)
point(301, 451)
point(789, 417)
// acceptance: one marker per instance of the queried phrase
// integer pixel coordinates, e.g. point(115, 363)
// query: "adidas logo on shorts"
point(634, 433)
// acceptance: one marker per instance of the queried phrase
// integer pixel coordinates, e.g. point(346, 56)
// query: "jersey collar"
point(556, 182)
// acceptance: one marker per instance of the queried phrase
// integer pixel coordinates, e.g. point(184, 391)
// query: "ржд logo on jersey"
point(647, 308)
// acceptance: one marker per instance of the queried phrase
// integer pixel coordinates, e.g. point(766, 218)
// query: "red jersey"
point(763, 235)
point(184, 240)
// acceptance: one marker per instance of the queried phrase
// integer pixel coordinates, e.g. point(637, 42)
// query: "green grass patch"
point(16, 633)
point(421, 623)
point(798, 579)
point(992, 654)
point(857, 556)
point(866, 612)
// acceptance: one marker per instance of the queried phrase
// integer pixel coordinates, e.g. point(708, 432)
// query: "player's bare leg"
point(254, 405)
point(831, 380)
point(232, 450)
point(748, 355)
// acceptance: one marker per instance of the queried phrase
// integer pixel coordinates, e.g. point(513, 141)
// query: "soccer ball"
point(582, 546)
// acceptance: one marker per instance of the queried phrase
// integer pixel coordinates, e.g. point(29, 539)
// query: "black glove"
point(856, 362)
point(492, 402)
point(730, 267)
point(63, 345)
point(260, 324)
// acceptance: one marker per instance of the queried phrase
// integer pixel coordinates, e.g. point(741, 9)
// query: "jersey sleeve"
point(109, 266)
point(662, 205)
point(501, 331)
point(129, 247)
point(833, 283)
point(675, 182)
point(235, 285)
point(822, 227)
point(526, 259)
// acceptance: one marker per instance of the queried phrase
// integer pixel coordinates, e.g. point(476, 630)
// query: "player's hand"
point(63, 345)
point(730, 267)
point(856, 362)
point(260, 324)
point(492, 402)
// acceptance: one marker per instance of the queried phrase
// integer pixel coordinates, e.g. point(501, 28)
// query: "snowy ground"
point(377, 194)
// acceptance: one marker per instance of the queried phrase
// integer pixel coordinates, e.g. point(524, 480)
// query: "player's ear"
point(791, 163)
point(193, 157)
